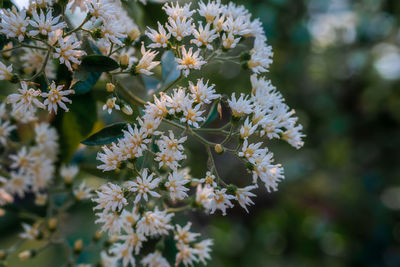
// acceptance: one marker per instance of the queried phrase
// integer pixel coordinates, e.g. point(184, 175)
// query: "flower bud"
point(3, 254)
point(78, 245)
point(110, 87)
point(127, 110)
point(52, 224)
point(97, 236)
point(134, 34)
point(26, 254)
point(219, 149)
point(124, 61)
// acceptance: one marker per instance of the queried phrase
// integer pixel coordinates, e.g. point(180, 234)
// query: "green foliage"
point(107, 135)
point(98, 63)
point(76, 125)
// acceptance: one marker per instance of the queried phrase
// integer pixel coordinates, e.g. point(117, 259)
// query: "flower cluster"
point(148, 153)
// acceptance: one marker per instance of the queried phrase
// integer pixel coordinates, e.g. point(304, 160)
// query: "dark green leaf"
point(170, 71)
point(75, 125)
point(98, 63)
point(3, 41)
point(83, 87)
point(106, 135)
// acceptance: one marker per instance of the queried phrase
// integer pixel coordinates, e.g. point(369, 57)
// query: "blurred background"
point(337, 63)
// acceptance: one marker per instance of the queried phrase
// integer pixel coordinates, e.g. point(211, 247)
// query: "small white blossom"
point(5, 71)
point(56, 97)
point(190, 60)
point(146, 63)
point(110, 105)
point(69, 51)
point(45, 24)
point(243, 196)
point(143, 185)
point(14, 23)
point(160, 38)
point(110, 197)
point(176, 185)
point(220, 200)
point(240, 106)
point(155, 259)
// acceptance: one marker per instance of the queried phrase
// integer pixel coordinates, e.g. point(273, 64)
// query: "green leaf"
point(212, 114)
point(75, 125)
point(83, 87)
point(3, 41)
point(98, 63)
point(107, 135)
point(170, 70)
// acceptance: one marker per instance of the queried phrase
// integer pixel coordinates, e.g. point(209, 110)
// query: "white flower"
point(176, 185)
point(243, 196)
point(155, 259)
point(107, 260)
point(229, 41)
point(82, 192)
point(154, 223)
point(56, 97)
point(25, 99)
point(251, 151)
point(209, 180)
point(111, 222)
point(68, 51)
point(211, 10)
point(129, 219)
point(247, 129)
point(220, 200)
point(204, 36)
point(146, 63)
point(149, 125)
point(203, 196)
point(143, 185)
point(5, 71)
point(293, 136)
point(202, 93)
point(132, 240)
point(186, 254)
point(183, 235)
point(111, 158)
point(160, 38)
point(177, 100)
point(30, 232)
point(203, 250)
point(18, 184)
point(14, 23)
point(170, 151)
point(110, 105)
point(45, 24)
point(124, 252)
point(134, 142)
point(190, 60)
point(177, 11)
point(101, 10)
point(5, 130)
point(261, 57)
point(68, 173)
point(192, 115)
point(272, 176)
point(112, 31)
point(110, 197)
point(240, 106)
point(22, 159)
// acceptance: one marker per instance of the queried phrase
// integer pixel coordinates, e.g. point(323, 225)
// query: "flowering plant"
point(56, 64)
